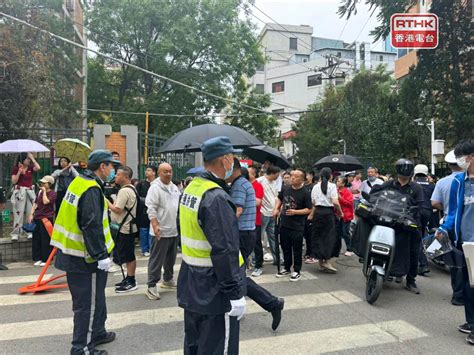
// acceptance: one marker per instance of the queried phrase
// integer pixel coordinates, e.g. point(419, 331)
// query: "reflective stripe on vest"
point(194, 245)
point(67, 235)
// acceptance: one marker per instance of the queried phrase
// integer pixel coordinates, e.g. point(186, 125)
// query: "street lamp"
point(343, 141)
point(431, 127)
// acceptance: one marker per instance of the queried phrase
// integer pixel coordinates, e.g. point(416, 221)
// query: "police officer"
point(82, 235)
point(408, 243)
point(211, 285)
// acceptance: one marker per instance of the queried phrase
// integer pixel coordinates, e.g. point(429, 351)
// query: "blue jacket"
point(456, 206)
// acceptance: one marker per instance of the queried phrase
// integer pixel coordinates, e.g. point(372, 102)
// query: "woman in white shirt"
point(325, 202)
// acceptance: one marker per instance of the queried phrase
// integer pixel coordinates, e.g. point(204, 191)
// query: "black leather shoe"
point(412, 288)
point(276, 313)
point(107, 338)
point(470, 339)
point(456, 302)
point(423, 270)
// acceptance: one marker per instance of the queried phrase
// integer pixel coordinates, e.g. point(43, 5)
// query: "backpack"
point(138, 219)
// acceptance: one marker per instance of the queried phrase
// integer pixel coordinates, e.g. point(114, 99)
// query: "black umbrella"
point(190, 139)
point(339, 162)
point(261, 153)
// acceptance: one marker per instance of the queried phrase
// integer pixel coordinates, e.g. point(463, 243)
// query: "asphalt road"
point(323, 314)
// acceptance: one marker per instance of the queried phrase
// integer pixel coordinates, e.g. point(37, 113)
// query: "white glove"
point(104, 264)
point(238, 308)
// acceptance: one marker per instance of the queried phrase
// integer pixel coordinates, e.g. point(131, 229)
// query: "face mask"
point(372, 178)
point(462, 163)
point(228, 173)
point(111, 175)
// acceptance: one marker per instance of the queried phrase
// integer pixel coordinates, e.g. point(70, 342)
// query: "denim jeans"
point(268, 226)
point(145, 240)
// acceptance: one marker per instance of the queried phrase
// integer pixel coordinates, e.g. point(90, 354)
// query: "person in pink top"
point(355, 188)
point(23, 195)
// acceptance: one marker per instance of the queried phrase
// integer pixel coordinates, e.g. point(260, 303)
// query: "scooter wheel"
point(373, 287)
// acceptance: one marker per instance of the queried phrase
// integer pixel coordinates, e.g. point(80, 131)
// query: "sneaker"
point(127, 286)
point(268, 257)
point(118, 284)
point(295, 276)
point(38, 263)
point(326, 266)
point(311, 261)
point(465, 328)
point(348, 253)
point(423, 270)
point(412, 288)
point(108, 337)
point(114, 268)
point(470, 339)
point(283, 273)
point(42, 264)
point(14, 237)
point(169, 284)
point(152, 293)
point(257, 272)
point(398, 279)
point(146, 254)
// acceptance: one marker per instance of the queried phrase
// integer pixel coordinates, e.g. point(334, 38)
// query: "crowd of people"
point(228, 222)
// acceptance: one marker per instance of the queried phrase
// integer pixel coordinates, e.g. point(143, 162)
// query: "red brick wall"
point(117, 142)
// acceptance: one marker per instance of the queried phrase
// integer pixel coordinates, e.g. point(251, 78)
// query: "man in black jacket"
point(211, 284)
point(87, 275)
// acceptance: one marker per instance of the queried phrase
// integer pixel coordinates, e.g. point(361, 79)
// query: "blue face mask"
point(111, 176)
point(228, 173)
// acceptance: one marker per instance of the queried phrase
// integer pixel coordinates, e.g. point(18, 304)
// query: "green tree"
point(201, 43)
point(39, 72)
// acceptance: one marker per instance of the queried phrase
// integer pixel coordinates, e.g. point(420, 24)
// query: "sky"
point(321, 15)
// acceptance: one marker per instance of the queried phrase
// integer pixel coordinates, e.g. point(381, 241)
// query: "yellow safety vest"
point(194, 245)
point(67, 236)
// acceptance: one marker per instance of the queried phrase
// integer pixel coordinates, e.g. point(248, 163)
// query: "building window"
point(381, 58)
point(294, 43)
point(339, 54)
point(260, 88)
point(278, 112)
point(340, 81)
point(278, 86)
point(314, 80)
point(261, 67)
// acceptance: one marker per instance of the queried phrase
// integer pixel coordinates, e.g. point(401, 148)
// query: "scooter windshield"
point(389, 203)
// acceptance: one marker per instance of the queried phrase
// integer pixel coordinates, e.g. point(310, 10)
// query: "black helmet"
point(404, 167)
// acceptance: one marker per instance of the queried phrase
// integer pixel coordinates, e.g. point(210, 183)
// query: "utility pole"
point(146, 138)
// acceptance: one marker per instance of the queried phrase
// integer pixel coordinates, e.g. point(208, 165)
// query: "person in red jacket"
point(346, 200)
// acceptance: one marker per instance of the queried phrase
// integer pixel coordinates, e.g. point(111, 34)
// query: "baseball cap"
point(47, 179)
point(450, 158)
point(101, 156)
point(421, 169)
point(217, 147)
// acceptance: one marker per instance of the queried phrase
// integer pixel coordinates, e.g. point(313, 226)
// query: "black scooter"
point(379, 215)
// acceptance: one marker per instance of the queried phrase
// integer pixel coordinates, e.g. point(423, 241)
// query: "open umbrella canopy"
point(198, 170)
point(73, 149)
point(261, 153)
point(22, 146)
point(190, 139)
point(339, 162)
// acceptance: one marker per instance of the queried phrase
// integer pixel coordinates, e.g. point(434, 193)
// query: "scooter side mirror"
point(366, 196)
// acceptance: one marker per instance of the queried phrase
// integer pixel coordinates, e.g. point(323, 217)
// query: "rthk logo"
point(414, 30)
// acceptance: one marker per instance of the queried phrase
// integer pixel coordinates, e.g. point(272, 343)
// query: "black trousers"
point(415, 241)
point(468, 294)
point(292, 244)
point(307, 237)
point(90, 311)
point(40, 243)
point(258, 249)
point(206, 334)
point(254, 291)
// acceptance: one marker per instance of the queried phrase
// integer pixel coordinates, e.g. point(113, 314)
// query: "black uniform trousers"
point(292, 245)
point(415, 241)
point(210, 334)
point(254, 291)
point(258, 249)
point(90, 311)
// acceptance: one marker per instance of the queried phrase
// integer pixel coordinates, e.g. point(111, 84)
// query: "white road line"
point(27, 279)
point(39, 328)
point(331, 340)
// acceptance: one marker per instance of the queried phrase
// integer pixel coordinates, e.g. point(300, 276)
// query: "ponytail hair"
point(325, 177)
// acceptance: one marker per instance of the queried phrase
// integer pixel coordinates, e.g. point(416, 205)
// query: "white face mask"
point(463, 163)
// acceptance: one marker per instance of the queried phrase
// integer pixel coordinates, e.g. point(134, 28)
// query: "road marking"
point(21, 279)
point(331, 340)
point(39, 328)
